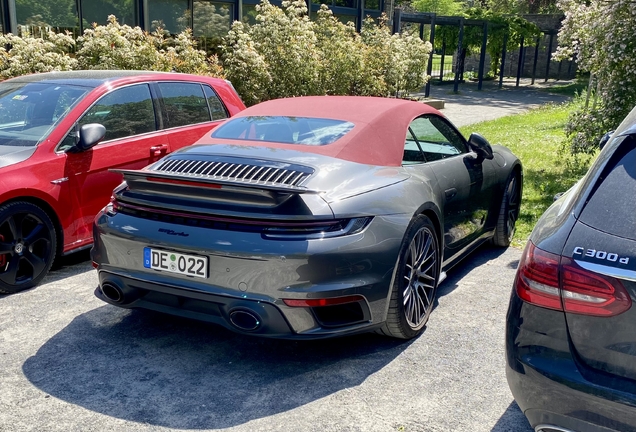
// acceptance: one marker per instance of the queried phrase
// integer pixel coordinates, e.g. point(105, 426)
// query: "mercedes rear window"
point(612, 207)
point(284, 129)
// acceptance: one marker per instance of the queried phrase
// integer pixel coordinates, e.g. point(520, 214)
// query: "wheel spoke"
point(38, 264)
point(38, 233)
point(6, 248)
point(15, 225)
point(9, 276)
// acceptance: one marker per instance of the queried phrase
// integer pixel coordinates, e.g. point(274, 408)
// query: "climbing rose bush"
point(600, 35)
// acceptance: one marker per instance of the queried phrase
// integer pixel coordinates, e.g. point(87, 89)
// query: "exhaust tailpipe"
point(112, 292)
point(245, 320)
point(116, 294)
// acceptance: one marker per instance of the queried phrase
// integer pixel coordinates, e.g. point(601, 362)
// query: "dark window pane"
point(249, 13)
point(183, 104)
point(346, 3)
point(436, 138)
point(97, 11)
point(606, 210)
point(216, 106)
point(124, 112)
point(412, 152)
point(43, 13)
point(211, 19)
point(346, 18)
point(171, 15)
point(28, 112)
point(372, 4)
point(288, 130)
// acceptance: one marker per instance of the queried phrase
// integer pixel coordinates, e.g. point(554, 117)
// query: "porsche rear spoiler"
point(212, 183)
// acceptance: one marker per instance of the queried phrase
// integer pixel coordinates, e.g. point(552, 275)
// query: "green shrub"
point(32, 55)
point(285, 54)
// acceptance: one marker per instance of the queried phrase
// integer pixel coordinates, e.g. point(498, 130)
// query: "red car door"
point(132, 141)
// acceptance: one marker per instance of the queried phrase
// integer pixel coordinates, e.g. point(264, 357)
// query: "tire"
point(508, 213)
point(27, 246)
point(413, 294)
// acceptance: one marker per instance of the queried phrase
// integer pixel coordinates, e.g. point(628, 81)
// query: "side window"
point(183, 104)
point(216, 106)
point(124, 112)
point(437, 139)
point(412, 152)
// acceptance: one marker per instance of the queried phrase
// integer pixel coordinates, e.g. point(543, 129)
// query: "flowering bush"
point(116, 46)
point(30, 55)
point(599, 34)
point(285, 54)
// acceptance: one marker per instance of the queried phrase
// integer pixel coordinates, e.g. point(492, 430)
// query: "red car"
point(54, 177)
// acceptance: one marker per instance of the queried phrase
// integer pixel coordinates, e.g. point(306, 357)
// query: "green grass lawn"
point(537, 138)
point(437, 62)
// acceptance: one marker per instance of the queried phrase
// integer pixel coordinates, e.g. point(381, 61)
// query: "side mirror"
point(480, 145)
point(89, 136)
point(605, 139)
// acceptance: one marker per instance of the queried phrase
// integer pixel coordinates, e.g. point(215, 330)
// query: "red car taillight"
point(554, 282)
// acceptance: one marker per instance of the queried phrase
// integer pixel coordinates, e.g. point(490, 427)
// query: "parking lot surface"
point(73, 363)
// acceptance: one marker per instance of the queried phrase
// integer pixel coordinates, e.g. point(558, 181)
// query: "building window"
point(35, 16)
point(97, 11)
point(211, 19)
point(173, 16)
point(372, 4)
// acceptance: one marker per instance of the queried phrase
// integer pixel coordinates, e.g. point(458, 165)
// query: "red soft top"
point(376, 139)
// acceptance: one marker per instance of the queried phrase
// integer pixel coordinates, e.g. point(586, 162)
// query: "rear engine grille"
point(248, 171)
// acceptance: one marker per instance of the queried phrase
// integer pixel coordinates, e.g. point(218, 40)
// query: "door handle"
point(450, 193)
point(158, 150)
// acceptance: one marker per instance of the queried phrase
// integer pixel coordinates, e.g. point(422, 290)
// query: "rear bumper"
point(253, 274)
point(547, 381)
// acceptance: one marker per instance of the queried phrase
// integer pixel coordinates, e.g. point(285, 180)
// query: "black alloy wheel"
point(27, 246)
point(415, 285)
point(508, 213)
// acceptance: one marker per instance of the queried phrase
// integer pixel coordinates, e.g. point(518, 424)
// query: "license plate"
point(173, 262)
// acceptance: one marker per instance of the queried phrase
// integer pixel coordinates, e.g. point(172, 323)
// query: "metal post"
point(441, 64)
point(482, 55)
point(360, 17)
point(521, 60)
point(503, 60)
point(547, 68)
point(397, 20)
point(459, 53)
point(536, 58)
point(429, 68)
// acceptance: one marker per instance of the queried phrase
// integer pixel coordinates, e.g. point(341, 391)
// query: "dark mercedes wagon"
point(571, 325)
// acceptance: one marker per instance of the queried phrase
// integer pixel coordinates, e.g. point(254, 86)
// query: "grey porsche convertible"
point(307, 217)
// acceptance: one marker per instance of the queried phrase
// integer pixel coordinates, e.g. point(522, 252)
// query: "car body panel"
point(74, 186)
point(575, 370)
point(240, 205)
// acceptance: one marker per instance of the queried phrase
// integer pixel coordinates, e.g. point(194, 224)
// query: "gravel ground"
point(72, 363)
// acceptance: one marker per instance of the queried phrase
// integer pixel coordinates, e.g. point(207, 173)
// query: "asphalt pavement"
point(73, 363)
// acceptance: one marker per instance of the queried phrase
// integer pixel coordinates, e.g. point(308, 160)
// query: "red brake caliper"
point(3, 257)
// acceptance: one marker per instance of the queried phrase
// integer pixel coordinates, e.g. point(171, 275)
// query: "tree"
point(599, 34)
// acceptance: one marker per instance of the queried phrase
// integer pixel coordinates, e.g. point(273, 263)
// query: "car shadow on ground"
point(512, 420)
point(152, 368)
point(479, 257)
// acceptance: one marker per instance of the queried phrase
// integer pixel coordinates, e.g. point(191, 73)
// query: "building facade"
point(206, 18)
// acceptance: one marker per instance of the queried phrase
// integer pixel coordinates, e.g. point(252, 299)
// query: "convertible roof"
point(376, 139)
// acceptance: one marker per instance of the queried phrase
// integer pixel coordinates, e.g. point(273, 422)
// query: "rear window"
point(612, 207)
point(287, 130)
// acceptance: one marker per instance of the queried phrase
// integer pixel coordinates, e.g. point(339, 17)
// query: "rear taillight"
point(554, 282)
